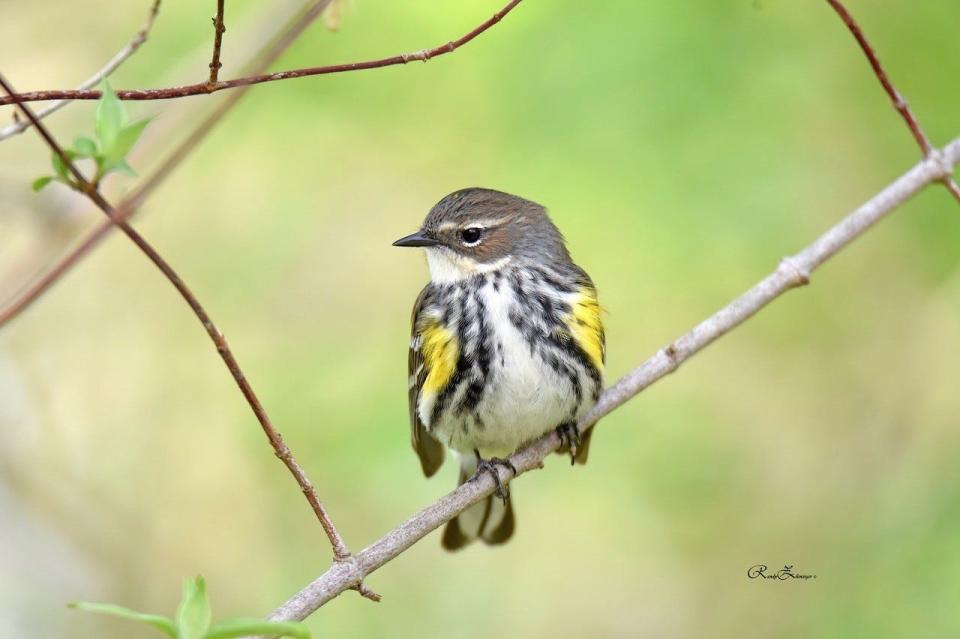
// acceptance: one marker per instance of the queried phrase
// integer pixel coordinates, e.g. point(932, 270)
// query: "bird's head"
point(480, 230)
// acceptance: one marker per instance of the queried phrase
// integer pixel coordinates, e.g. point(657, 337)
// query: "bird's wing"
point(426, 364)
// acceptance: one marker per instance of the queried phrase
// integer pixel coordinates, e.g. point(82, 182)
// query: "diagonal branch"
point(129, 205)
point(899, 103)
point(792, 272)
point(218, 29)
point(204, 88)
point(111, 66)
point(340, 551)
point(263, 59)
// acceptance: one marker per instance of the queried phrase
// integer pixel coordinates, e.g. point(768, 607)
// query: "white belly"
point(523, 399)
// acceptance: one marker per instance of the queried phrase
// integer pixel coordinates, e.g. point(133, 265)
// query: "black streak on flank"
point(481, 353)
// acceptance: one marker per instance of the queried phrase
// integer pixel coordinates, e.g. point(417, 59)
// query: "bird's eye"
point(471, 236)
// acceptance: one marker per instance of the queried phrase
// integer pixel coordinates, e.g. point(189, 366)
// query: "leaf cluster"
point(193, 618)
point(113, 140)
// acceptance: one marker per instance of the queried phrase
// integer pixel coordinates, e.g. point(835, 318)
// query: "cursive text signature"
point(761, 571)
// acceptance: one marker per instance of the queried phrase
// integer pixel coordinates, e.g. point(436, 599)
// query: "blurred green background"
point(682, 147)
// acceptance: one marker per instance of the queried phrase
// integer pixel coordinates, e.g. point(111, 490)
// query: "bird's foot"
point(490, 466)
point(569, 435)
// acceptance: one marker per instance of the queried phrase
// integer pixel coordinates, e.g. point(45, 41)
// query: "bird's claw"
point(490, 466)
point(569, 435)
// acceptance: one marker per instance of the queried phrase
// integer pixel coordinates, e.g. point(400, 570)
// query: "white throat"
point(448, 266)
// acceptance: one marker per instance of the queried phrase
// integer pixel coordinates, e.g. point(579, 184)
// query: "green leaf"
point(41, 182)
point(193, 615)
point(85, 147)
point(162, 624)
point(110, 118)
point(59, 167)
point(247, 627)
point(126, 138)
point(122, 167)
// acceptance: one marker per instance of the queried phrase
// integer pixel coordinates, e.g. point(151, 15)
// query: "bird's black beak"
point(419, 238)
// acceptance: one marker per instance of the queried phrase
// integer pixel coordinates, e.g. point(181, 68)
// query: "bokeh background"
point(683, 148)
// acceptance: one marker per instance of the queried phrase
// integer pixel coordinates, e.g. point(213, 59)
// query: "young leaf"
point(162, 624)
point(123, 167)
point(59, 167)
point(85, 147)
point(248, 627)
point(110, 118)
point(41, 182)
point(126, 138)
point(193, 615)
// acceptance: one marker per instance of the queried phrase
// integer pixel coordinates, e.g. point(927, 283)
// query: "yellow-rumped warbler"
point(507, 344)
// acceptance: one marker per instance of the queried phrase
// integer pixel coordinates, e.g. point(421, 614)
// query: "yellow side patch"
point(440, 352)
point(586, 326)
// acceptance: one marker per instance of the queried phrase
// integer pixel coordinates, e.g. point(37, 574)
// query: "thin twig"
point(340, 551)
point(261, 60)
point(206, 87)
point(792, 272)
point(899, 102)
point(367, 593)
point(218, 29)
point(267, 55)
point(141, 36)
point(951, 185)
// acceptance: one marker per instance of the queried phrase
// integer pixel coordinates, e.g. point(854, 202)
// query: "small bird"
point(507, 344)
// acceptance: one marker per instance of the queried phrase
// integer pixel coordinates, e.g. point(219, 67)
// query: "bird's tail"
point(490, 519)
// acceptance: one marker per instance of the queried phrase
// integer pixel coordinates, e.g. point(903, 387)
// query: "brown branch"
point(207, 87)
point(282, 451)
point(218, 29)
point(791, 273)
point(261, 60)
point(19, 126)
point(899, 102)
point(130, 204)
point(266, 56)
